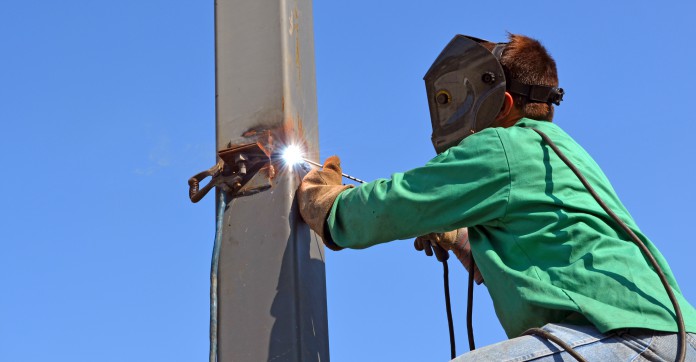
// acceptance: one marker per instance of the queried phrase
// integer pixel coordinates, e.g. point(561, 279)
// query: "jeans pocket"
point(639, 341)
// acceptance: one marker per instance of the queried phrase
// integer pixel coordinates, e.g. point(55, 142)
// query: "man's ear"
point(508, 104)
point(507, 117)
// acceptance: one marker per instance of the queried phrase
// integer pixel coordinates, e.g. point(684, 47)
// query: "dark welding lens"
point(443, 97)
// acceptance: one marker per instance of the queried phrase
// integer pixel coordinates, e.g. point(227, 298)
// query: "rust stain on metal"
point(249, 133)
point(272, 141)
point(265, 145)
point(296, 30)
point(294, 133)
point(256, 130)
point(267, 171)
point(288, 128)
point(300, 126)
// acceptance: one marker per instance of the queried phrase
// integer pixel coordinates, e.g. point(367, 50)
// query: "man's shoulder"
point(485, 138)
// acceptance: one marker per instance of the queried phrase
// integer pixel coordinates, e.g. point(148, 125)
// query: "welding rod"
point(342, 174)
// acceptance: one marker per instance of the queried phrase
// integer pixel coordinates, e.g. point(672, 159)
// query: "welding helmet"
point(466, 89)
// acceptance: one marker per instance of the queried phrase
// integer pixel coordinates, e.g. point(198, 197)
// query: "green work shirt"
point(546, 249)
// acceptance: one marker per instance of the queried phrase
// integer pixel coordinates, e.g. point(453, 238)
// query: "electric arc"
point(292, 155)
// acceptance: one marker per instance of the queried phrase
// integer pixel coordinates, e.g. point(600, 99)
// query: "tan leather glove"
point(316, 195)
point(430, 243)
point(455, 240)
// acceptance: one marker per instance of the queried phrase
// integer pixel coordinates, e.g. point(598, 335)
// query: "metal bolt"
point(488, 77)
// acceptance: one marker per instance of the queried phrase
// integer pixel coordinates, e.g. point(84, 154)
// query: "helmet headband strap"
point(536, 93)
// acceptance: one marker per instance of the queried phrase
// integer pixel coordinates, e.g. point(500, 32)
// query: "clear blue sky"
point(107, 108)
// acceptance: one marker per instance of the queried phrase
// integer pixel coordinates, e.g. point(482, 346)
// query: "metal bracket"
point(241, 170)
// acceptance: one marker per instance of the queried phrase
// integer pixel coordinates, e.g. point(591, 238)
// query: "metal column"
point(272, 291)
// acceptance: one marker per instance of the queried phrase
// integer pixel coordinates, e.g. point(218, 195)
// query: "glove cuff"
point(462, 234)
point(328, 240)
point(316, 212)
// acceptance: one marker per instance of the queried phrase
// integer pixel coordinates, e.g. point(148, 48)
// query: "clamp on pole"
point(241, 170)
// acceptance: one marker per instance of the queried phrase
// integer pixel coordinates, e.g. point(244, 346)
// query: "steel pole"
point(272, 289)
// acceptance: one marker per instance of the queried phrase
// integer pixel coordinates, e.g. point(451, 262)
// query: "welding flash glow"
point(292, 155)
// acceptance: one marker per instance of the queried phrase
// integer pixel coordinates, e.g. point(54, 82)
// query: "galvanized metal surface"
point(272, 292)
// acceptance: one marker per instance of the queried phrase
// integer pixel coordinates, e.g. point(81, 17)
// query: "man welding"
point(554, 259)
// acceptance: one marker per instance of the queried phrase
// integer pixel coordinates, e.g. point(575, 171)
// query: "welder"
point(551, 256)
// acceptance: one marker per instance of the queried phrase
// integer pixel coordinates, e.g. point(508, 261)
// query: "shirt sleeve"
point(467, 185)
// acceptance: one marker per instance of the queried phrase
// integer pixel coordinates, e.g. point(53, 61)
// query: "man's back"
point(555, 255)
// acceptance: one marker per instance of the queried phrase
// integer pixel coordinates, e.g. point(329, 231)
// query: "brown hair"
point(526, 60)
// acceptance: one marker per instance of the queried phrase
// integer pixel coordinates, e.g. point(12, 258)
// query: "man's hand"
point(316, 195)
point(435, 243)
point(457, 241)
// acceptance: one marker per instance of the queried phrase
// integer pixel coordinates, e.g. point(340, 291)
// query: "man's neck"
point(508, 121)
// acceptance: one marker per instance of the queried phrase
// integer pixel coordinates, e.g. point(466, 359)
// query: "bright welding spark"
point(293, 155)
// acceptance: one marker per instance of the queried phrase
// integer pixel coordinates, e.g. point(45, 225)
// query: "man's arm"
point(467, 185)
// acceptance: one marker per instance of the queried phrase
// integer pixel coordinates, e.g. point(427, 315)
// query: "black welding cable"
point(214, 267)
point(470, 305)
point(681, 353)
point(448, 306)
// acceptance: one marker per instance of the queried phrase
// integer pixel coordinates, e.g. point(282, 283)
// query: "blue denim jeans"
point(620, 345)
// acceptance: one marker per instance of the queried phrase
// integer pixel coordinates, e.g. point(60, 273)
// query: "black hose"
point(470, 305)
point(681, 353)
point(448, 305)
